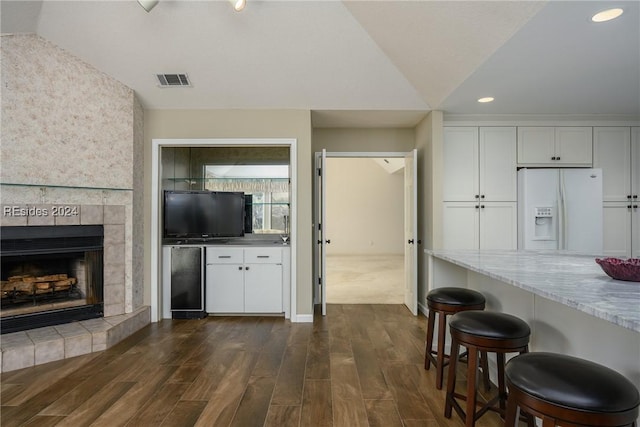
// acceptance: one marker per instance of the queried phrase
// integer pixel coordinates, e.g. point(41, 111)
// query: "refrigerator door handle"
point(562, 223)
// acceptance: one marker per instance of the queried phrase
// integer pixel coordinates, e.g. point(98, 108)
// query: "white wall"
point(365, 206)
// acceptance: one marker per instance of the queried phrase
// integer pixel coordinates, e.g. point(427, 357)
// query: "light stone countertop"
point(570, 279)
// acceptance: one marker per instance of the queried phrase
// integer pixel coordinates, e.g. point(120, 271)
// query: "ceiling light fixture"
point(607, 15)
point(238, 5)
point(148, 4)
point(486, 99)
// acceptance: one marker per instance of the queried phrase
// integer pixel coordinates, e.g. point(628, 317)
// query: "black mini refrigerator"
point(187, 283)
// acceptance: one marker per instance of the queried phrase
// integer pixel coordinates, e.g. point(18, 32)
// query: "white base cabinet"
point(244, 280)
point(490, 225)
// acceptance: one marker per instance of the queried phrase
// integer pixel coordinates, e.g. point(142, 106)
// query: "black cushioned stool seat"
point(565, 390)
point(482, 331)
point(444, 302)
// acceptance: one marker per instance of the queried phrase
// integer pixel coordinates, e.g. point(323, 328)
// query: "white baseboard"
point(302, 318)
point(423, 309)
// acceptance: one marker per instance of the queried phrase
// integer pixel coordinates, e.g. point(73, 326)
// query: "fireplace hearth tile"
point(48, 344)
point(17, 351)
point(36, 346)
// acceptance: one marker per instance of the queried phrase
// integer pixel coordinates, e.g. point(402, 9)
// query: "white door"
point(411, 231)
point(322, 241)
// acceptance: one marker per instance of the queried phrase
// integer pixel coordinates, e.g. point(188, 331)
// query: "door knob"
point(328, 241)
point(410, 241)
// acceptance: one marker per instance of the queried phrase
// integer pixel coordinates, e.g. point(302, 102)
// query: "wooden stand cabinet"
point(617, 153)
point(479, 188)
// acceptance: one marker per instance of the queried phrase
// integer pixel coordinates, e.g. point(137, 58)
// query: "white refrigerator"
point(560, 209)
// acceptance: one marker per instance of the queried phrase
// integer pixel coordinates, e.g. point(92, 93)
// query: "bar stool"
point(565, 390)
point(444, 302)
point(482, 331)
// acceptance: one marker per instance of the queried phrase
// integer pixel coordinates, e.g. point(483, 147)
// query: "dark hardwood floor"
point(361, 365)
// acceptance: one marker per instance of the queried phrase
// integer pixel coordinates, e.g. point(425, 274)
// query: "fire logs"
point(32, 285)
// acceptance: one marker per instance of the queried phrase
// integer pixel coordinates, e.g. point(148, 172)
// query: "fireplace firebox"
point(50, 275)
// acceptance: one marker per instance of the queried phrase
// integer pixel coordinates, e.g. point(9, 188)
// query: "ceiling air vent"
point(173, 80)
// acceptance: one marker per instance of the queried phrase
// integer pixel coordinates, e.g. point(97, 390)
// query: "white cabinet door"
point(574, 146)
point(497, 157)
point(498, 225)
point(635, 231)
point(460, 225)
point(263, 288)
point(536, 145)
point(555, 146)
point(460, 171)
point(617, 229)
point(224, 292)
point(612, 148)
point(635, 162)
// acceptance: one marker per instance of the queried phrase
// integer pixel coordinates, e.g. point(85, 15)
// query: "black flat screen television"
point(203, 214)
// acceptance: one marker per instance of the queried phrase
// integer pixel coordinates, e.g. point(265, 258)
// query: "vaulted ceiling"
point(383, 63)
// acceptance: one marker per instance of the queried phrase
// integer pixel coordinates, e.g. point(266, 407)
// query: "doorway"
point(364, 217)
point(365, 228)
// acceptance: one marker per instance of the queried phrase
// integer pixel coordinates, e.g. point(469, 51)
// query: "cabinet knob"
point(635, 196)
point(635, 206)
point(557, 158)
point(629, 196)
point(628, 206)
point(482, 206)
point(477, 207)
point(477, 196)
point(482, 197)
point(553, 158)
point(240, 268)
point(246, 268)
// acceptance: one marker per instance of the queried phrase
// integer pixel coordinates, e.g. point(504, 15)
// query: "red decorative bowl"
point(621, 269)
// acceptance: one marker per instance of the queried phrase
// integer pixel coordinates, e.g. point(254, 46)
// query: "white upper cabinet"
point(498, 174)
point(635, 162)
point(460, 153)
point(480, 164)
point(555, 146)
point(612, 153)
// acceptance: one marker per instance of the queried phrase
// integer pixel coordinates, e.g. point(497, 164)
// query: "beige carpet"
point(365, 279)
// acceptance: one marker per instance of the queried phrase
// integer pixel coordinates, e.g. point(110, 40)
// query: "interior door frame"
point(318, 290)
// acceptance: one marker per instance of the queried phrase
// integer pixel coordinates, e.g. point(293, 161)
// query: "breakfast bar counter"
point(571, 305)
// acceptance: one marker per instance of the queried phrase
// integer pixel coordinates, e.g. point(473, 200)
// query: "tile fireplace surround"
point(42, 345)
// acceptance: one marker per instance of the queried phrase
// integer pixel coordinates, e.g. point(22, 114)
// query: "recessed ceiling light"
point(607, 15)
point(486, 99)
point(238, 5)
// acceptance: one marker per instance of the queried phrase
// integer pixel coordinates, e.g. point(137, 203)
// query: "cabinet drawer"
point(263, 256)
point(224, 256)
